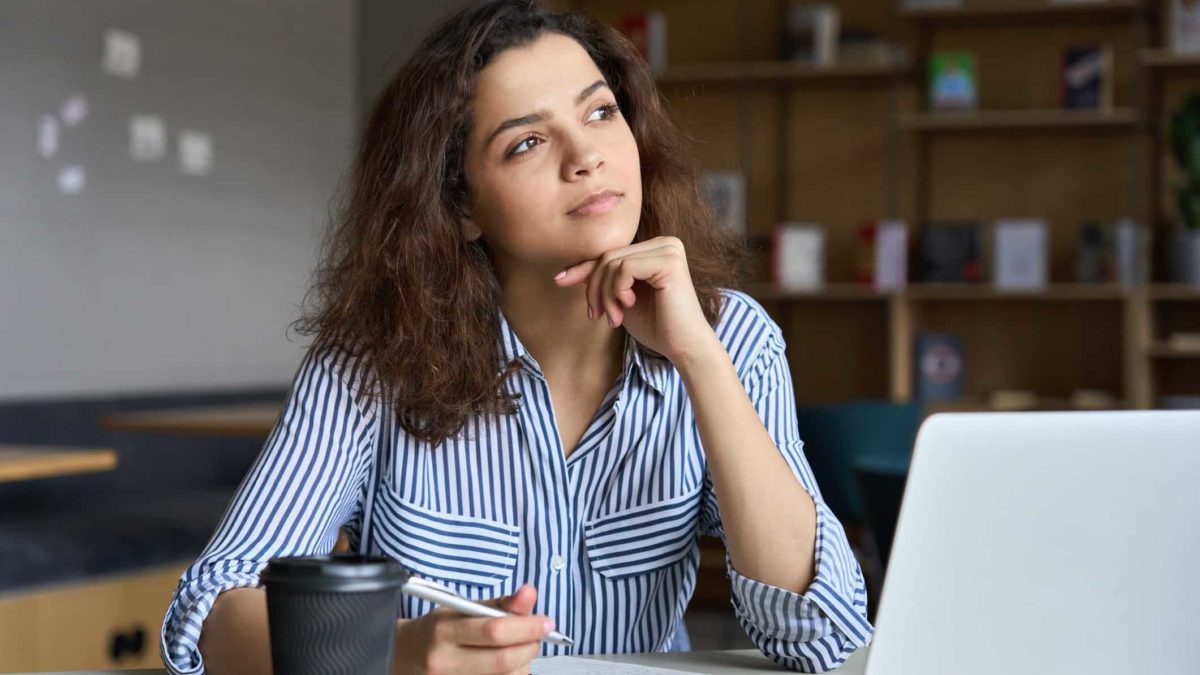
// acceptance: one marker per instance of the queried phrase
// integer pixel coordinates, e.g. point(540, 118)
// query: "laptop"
point(1046, 543)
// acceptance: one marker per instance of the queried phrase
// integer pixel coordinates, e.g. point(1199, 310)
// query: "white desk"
point(740, 662)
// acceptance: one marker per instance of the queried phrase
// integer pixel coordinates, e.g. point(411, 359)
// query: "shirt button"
point(557, 563)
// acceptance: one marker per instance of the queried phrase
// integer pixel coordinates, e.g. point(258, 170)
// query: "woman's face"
point(546, 137)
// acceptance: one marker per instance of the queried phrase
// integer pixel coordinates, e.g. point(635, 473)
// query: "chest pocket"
point(465, 551)
point(644, 538)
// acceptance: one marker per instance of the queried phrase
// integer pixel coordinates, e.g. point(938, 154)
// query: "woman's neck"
point(552, 323)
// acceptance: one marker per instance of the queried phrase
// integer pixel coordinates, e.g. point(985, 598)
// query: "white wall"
point(153, 280)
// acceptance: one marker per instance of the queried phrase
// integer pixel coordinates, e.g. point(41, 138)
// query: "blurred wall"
point(388, 35)
point(152, 279)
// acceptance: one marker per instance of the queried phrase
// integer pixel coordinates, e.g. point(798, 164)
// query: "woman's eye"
point(608, 110)
point(523, 146)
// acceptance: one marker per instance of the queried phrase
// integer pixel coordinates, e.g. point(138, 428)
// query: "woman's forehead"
point(547, 73)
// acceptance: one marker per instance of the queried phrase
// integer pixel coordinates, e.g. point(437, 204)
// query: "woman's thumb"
point(521, 602)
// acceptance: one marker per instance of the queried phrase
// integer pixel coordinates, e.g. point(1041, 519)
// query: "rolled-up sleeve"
point(818, 629)
point(306, 483)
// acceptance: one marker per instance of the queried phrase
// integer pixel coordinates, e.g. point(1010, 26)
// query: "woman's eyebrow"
point(541, 115)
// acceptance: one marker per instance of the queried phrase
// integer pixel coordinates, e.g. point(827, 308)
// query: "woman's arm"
point(769, 519)
point(235, 637)
point(310, 471)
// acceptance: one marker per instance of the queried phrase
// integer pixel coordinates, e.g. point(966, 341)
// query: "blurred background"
point(952, 204)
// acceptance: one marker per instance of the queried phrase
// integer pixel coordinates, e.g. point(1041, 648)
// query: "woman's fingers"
point(498, 661)
point(609, 279)
point(507, 631)
point(521, 602)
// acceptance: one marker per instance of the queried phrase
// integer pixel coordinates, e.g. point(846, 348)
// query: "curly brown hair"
point(400, 287)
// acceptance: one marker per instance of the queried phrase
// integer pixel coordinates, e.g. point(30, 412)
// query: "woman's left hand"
point(646, 288)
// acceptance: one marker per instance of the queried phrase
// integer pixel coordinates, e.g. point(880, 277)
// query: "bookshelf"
point(845, 144)
point(1024, 10)
point(1051, 119)
point(777, 72)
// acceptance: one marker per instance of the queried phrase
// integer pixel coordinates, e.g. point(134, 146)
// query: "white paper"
point(48, 136)
point(800, 257)
point(569, 665)
point(891, 255)
point(75, 110)
point(72, 180)
point(1020, 254)
point(122, 53)
point(195, 152)
point(147, 138)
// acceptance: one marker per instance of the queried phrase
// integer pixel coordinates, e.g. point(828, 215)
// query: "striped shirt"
point(608, 535)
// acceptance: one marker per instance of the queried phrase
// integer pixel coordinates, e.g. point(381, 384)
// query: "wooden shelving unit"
point(844, 144)
point(733, 72)
point(1111, 10)
point(1056, 119)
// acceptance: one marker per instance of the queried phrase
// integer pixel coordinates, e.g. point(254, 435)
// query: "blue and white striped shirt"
point(608, 535)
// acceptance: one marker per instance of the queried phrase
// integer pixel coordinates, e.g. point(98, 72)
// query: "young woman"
point(528, 383)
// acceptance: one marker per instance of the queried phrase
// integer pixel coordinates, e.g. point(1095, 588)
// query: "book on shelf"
point(1112, 253)
point(1020, 254)
point(1093, 399)
point(812, 33)
point(951, 252)
point(953, 81)
point(1012, 399)
point(867, 48)
point(1088, 77)
point(1185, 26)
point(725, 191)
point(883, 254)
point(1184, 341)
point(798, 260)
point(648, 32)
point(931, 4)
point(939, 367)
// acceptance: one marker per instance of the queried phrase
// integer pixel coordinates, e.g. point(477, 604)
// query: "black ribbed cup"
point(332, 615)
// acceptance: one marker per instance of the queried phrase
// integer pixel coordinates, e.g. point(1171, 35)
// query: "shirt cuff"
point(836, 599)
point(180, 636)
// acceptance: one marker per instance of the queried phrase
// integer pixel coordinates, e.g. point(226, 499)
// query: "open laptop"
point(1046, 543)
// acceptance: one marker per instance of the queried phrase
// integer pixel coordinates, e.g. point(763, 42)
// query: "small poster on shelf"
point(1020, 248)
point(953, 82)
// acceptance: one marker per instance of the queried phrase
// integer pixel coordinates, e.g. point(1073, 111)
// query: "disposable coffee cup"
point(332, 615)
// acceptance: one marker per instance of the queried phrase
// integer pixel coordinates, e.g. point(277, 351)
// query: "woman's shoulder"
point(326, 368)
point(746, 329)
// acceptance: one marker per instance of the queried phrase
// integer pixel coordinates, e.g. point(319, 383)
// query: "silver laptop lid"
point(1046, 543)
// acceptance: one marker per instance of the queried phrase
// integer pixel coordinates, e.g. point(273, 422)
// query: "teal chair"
point(871, 440)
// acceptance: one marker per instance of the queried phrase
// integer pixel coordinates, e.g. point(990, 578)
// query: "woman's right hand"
point(445, 642)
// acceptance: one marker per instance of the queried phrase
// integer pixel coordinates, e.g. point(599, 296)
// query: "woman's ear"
point(470, 230)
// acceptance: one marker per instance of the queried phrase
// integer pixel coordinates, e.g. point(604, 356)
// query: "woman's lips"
point(599, 206)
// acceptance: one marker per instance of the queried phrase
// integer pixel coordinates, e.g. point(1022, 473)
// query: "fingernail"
point(589, 311)
point(548, 624)
point(610, 322)
point(560, 275)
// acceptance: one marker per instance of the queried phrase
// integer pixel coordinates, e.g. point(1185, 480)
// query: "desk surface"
point(250, 419)
point(28, 462)
point(739, 662)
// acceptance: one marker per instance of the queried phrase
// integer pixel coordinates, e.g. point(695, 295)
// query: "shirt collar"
point(651, 368)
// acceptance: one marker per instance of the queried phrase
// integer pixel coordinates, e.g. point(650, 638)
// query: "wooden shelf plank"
point(1175, 292)
point(777, 71)
point(29, 462)
point(1094, 9)
point(1055, 292)
point(1168, 58)
point(837, 292)
point(981, 404)
point(1163, 350)
point(254, 419)
point(1066, 119)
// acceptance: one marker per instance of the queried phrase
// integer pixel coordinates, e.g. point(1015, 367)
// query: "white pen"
point(440, 595)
